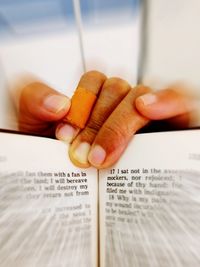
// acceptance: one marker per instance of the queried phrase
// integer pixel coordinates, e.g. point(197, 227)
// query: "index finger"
point(82, 104)
point(84, 98)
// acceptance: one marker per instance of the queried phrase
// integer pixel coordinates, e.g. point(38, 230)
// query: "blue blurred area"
point(97, 12)
point(90, 6)
point(36, 13)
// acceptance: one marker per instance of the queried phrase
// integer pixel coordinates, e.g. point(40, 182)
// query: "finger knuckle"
point(93, 74)
point(115, 132)
point(88, 134)
point(116, 85)
point(94, 125)
point(90, 131)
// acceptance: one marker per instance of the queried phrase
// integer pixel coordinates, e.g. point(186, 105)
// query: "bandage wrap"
point(82, 103)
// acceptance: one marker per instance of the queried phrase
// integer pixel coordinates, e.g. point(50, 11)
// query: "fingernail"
point(66, 132)
point(148, 99)
point(56, 103)
point(97, 155)
point(81, 152)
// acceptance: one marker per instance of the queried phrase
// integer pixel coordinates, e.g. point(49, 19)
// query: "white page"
point(47, 218)
point(150, 203)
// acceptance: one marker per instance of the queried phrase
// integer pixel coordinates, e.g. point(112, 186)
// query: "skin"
point(120, 111)
point(34, 117)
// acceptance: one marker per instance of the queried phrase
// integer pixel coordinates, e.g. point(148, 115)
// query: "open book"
point(144, 211)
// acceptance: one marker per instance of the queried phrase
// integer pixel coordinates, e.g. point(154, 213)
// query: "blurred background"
point(57, 40)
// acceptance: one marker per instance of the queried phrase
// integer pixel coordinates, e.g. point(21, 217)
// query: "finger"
point(113, 91)
point(117, 131)
point(164, 104)
point(39, 101)
point(179, 122)
point(39, 105)
point(91, 81)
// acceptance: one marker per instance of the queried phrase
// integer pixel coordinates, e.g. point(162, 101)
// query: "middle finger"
point(112, 92)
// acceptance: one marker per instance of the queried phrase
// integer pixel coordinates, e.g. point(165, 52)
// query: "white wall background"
point(56, 44)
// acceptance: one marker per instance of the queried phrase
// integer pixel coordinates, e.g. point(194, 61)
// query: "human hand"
point(117, 115)
point(42, 110)
point(172, 108)
point(111, 125)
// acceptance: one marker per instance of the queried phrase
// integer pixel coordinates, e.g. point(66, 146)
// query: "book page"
point(150, 203)
point(48, 207)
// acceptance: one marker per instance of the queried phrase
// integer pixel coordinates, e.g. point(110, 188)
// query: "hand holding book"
point(119, 112)
point(135, 197)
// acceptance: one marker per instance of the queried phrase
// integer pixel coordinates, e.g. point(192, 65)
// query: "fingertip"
point(56, 103)
point(147, 99)
point(97, 156)
point(144, 104)
point(151, 106)
point(102, 157)
point(78, 154)
point(139, 104)
point(163, 104)
point(66, 132)
point(53, 107)
point(42, 102)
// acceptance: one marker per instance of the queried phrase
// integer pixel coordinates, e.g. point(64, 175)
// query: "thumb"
point(165, 104)
point(41, 102)
point(39, 105)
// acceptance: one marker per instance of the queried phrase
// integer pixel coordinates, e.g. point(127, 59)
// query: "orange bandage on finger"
point(82, 103)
